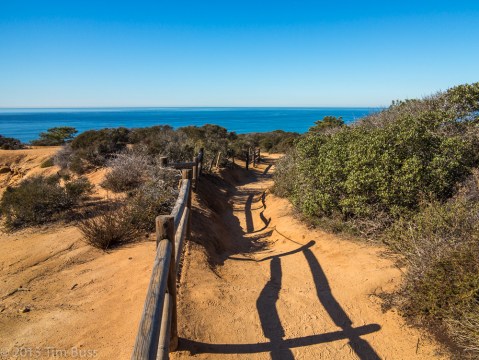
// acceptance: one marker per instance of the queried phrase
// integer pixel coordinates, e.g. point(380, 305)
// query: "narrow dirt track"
point(291, 292)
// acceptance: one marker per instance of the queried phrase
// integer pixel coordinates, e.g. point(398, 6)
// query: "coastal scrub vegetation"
point(55, 136)
point(408, 176)
point(7, 143)
point(150, 191)
point(41, 199)
point(277, 141)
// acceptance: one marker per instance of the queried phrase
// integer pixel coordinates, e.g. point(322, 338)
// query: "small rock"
point(24, 309)
point(130, 258)
point(74, 286)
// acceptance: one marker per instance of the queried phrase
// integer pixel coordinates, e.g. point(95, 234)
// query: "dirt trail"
point(292, 292)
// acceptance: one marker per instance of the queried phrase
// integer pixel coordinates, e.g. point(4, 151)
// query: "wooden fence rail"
point(158, 329)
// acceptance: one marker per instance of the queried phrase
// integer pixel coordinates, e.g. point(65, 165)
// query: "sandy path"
point(296, 294)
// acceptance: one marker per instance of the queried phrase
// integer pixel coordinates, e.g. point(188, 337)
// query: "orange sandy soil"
point(81, 301)
point(285, 291)
point(256, 284)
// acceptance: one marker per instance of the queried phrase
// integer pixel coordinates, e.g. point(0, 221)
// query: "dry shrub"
point(155, 197)
point(124, 223)
point(110, 227)
point(40, 199)
point(128, 171)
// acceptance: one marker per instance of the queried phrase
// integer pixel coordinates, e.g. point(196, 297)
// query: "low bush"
point(441, 247)
point(286, 174)
point(155, 197)
point(108, 228)
point(163, 141)
point(125, 222)
point(78, 188)
point(92, 149)
point(7, 143)
point(277, 141)
point(39, 199)
point(127, 172)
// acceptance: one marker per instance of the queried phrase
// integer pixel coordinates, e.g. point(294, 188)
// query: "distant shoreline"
point(26, 123)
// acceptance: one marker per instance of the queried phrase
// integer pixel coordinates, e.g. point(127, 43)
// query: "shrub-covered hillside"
point(405, 175)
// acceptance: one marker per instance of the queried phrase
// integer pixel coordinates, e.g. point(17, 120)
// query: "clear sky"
point(80, 53)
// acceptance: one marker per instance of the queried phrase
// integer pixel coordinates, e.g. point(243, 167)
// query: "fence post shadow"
point(360, 346)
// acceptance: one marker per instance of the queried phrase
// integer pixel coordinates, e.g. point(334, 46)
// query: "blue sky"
point(84, 53)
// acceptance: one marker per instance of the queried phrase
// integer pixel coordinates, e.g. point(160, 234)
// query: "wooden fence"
point(253, 155)
point(158, 332)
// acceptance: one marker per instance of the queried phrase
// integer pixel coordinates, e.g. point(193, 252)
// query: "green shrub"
point(7, 143)
point(277, 141)
point(38, 200)
point(286, 174)
point(386, 163)
point(92, 149)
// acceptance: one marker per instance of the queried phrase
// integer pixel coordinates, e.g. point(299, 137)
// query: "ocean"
point(26, 124)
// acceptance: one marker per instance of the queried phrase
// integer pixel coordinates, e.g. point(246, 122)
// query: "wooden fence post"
point(218, 160)
point(165, 229)
point(247, 159)
point(195, 172)
point(163, 161)
point(186, 174)
point(200, 158)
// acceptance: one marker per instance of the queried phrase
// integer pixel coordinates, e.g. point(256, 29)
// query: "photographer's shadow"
point(278, 346)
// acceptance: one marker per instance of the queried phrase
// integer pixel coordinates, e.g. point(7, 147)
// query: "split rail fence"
point(158, 329)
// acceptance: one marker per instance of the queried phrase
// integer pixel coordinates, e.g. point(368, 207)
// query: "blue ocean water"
point(26, 124)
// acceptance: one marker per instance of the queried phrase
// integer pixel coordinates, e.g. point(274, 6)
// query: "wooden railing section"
point(253, 156)
point(158, 329)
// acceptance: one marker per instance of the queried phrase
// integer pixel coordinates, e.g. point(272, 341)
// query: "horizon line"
point(193, 107)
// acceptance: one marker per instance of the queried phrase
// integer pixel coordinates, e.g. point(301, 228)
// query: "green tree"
point(56, 136)
point(328, 122)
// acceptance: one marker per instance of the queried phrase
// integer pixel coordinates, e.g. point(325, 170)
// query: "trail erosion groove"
point(283, 291)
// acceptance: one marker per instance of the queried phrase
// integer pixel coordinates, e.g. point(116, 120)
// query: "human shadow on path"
point(268, 313)
point(279, 347)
